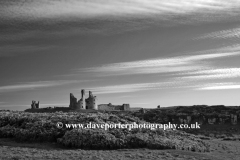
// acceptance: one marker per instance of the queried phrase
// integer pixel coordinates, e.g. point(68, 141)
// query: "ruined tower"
point(82, 100)
point(73, 102)
point(83, 103)
point(91, 102)
point(35, 105)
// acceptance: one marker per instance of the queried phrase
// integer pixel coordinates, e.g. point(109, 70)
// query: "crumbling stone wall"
point(110, 107)
point(74, 104)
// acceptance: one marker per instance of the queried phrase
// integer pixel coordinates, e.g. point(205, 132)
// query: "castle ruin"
point(83, 103)
point(35, 105)
point(91, 103)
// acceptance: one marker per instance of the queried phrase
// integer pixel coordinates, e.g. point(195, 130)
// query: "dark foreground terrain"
point(220, 150)
point(35, 135)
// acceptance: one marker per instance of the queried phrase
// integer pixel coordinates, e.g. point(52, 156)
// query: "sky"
point(145, 53)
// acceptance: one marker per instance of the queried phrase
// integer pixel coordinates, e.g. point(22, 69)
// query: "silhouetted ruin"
point(35, 105)
point(89, 103)
point(83, 103)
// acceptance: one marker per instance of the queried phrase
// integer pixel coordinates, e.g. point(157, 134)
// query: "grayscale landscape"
point(65, 65)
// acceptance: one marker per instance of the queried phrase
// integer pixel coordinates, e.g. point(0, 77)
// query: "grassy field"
point(35, 136)
point(10, 149)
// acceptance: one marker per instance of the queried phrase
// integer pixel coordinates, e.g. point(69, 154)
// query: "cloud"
point(214, 74)
point(34, 85)
point(189, 71)
point(12, 50)
point(180, 64)
point(98, 8)
point(108, 16)
point(224, 34)
point(220, 86)
point(126, 88)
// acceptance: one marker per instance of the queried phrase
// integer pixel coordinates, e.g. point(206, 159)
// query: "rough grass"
point(9, 149)
point(40, 127)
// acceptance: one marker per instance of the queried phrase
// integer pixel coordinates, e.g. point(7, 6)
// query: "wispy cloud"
point(99, 8)
point(109, 16)
point(12, 50)
point(126, 88)
point(214, 74)
point(34, 85)
point(220, 86)
point(165, 65)
point(173, 83)
point(224, 34)
point(189, 71)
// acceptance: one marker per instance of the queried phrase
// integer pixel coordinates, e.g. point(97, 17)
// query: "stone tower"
point(74, 104)
point(83, 99)
point(91, 102)
point(35, 105)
